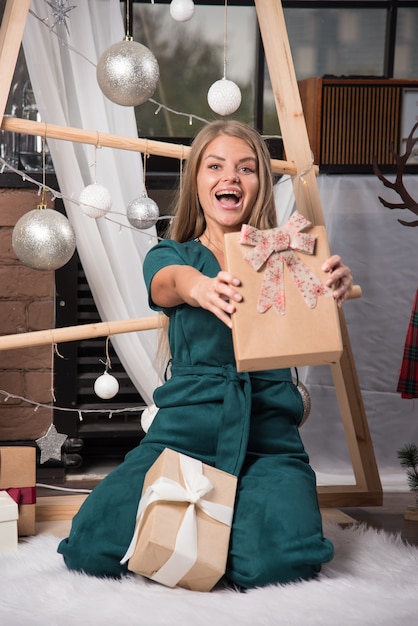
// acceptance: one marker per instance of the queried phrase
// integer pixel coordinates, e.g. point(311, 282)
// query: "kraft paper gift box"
point(288, 317)
point(8, 522)
point(183, 524)
point(18, 479)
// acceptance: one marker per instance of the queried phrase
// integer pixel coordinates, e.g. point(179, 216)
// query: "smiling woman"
point(246, 424)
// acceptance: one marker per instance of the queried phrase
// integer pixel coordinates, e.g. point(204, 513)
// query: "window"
point(406, 51)
point(364, 38)
point(191, 58)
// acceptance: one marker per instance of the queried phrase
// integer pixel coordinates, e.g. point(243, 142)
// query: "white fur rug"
point(373, 581)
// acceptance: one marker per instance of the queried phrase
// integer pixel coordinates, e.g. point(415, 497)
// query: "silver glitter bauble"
point(128, 73)
point(182, 10)
point(95, 200)
point(224, 97)
point(43, 239)
point(306, 399)
point(142, 212)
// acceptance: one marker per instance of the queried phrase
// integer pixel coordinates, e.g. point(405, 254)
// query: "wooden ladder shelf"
point(367, 490)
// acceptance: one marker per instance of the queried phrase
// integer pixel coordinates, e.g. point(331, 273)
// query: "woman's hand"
point(217, 295)
point(176, 284)
point(339, 279)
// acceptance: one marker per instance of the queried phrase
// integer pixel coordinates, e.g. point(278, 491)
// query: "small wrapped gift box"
point(288, 317)
point(183, 524)
point(18, 479)
point(8, 522)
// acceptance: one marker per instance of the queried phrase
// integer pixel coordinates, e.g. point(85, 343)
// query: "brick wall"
point(26, 304)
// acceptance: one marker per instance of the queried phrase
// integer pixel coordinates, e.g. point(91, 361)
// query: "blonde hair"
point(189, 221)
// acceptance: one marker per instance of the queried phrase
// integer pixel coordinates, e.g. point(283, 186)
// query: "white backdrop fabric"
point(383, 257)
point(67, 93)
point(382, 254)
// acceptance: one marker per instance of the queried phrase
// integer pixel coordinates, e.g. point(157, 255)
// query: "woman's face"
point(227, 182)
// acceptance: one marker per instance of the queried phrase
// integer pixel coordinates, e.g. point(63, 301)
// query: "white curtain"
point(382, 254)
point(383, 257)
point(63, 77)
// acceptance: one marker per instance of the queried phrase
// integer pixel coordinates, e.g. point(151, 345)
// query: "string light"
point(301, 175)
point(43, 188)
point(80, 412)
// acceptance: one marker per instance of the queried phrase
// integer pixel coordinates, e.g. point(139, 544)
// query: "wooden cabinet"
point(350, 121)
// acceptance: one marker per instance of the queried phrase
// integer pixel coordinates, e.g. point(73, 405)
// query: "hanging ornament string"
point(106, 386)
point(224, 96)
point(43, 189)
point(145, 157)
point(94, 164)
point(44, 164)
point(53, 347)
point(225, 33)
point(128, 20)
point(108, 361)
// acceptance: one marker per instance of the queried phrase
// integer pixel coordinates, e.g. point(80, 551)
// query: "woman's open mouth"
point(229, 198)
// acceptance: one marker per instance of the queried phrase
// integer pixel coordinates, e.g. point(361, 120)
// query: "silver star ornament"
point(50, 444)
point(60, 9)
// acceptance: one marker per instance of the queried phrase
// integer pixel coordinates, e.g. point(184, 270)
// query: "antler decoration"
point(398, 185)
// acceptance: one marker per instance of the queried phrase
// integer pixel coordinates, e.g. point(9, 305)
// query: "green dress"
point(243, 423)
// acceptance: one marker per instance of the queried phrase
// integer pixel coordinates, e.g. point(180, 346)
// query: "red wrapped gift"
point(18, 478)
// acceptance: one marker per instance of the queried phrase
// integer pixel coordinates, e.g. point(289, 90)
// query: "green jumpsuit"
point(243, 423)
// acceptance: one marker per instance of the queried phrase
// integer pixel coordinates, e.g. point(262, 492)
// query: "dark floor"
point(99, 457)
point(389, 516)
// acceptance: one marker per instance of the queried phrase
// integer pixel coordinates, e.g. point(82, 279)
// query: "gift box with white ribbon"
point(183, 524)
point(287, 317)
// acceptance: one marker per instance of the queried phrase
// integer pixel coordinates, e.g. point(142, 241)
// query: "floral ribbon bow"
point(275, 247)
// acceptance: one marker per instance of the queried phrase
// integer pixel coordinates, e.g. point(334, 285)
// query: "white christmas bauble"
point(43, 239)
point(95, 200)
point(128, 73)
point(224, 97)
point(182, 10)
point(106, 386)
point(142, 212)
